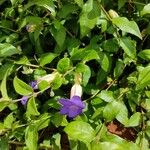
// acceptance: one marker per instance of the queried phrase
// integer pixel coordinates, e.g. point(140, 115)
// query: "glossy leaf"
point(146, 10)
point(21, 87)
point(127, 26)
point(7, 50)
point(145, 54)
point(31, 107)
point(79, 130)
point(128, 46)
point(31, 137)
point(143, 78)
point(85, 55)
point(63, 65)
point(47, 58)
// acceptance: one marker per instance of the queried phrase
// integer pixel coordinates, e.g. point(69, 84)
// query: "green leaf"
point(85, 55)
point(8, 121)
point(134, 120)
point(107, 96)
point(145, 54)
point(31, 107)
point(48, 4)
point(63, 65)
point(89, 16)
point(79, 130)
point(7, 50)
point(146, 10)
point(3, 104)
point(43, 121)
point(46, 58)
point(127, 26)
point(105, 61)
point(57, 82)
point(59, 33)
point(4, 143)
point(21, 87)
point(4, 68)
point(31, 137)
point(79, 2)
point(106, 146)
point(86, 72)
point(110, 45)
point(4, 87)
point(129, 46)
point(111, 110)
point(118, 70)
point(121, 3)
point(143, 78)
point(122, 116)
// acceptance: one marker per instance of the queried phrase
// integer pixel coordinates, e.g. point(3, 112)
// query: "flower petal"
point(24, 100)
point(77, 101)
point(65, 102)
point(73, 113)
point(64, 110)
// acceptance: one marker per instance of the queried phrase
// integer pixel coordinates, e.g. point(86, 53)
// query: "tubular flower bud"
point(76, 90)
point(49, 78)
point(113, 14)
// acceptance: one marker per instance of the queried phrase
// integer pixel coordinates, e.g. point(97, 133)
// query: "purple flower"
point(33, 84)
point(71, 107)
point(24, 100)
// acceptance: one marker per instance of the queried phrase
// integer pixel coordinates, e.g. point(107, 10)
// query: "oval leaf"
point(79, 130)
point(127, 26)
point(21, 87)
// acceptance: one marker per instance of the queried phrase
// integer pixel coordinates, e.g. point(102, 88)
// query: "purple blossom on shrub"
point(24, 100)
point(33, 84)
point(71, 107)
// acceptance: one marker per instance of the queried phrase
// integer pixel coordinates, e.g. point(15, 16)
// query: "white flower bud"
point(113, 14)
point(49, 78)
point(76, 90)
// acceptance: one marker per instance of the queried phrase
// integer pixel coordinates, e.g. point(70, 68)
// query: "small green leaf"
point(4, 88)
point(128, 46)
point(85, 55)
point(47, 58)
point(145, 54)
point(146, 10)
point(3, 104)
point(63, 65)
point(31, 107)
point(21, 87)
point(122, 116)
point(48, 4)
point(43, 121)
point(107, 96)
point(89, 16)
point(9, 120)
point(111, 110)
point(127, 26)
point(85, 70)
point(79, 130)
point(134, 120)
point(143, 78)
point(59, 33)
point(57, 82)
point(31, 137)
point(7, 50)
point(118, 70)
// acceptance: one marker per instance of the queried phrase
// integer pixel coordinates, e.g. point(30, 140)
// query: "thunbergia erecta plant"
point(74, 106)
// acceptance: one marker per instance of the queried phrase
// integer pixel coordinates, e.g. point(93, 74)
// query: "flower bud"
point(49, 78)
point(113, 14)
point(76, 90)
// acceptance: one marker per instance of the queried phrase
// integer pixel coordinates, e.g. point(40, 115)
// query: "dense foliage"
point(48, 46)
